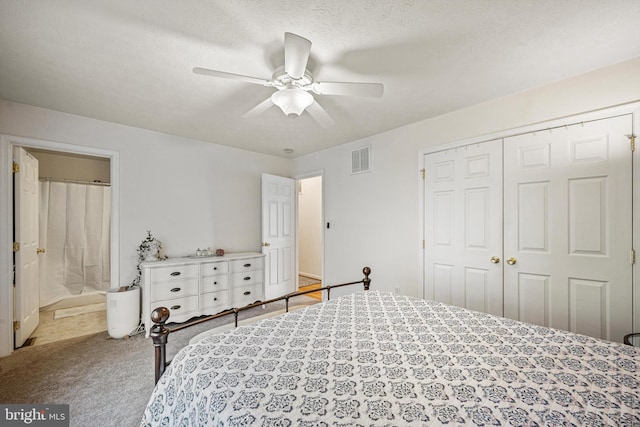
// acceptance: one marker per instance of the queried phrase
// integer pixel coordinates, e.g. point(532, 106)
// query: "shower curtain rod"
point(103, 184)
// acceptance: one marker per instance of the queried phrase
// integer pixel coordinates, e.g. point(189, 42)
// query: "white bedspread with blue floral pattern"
point(374, 358)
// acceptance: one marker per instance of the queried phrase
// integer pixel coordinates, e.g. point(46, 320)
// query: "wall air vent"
point(361, 160)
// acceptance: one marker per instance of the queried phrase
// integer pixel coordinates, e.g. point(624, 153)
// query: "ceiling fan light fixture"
point(292, 100)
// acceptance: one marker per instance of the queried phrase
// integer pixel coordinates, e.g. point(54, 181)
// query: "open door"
point(278, 235)
point(26, 234)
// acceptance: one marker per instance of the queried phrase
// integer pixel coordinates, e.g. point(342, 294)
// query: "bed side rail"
point(160, 333)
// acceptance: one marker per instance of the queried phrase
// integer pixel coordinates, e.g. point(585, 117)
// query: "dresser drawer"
point(214, 268)
point(180, 309)
point(215, 302)
point(247, 278)
point(214, 283)
point(250, 264)
point(174, 289)
point(178, 272)
point(246, 294)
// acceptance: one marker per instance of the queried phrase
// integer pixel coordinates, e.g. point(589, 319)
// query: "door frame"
point(299, 178)
point(546, 126)
point(7, 142)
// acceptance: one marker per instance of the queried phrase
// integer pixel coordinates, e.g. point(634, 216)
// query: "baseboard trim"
point(310, 276)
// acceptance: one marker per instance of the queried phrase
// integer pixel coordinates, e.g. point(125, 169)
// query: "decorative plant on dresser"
point(196, 286)
point(148, 250)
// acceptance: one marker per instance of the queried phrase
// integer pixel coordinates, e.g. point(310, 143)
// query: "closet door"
point(568, 219)
point(463, 226)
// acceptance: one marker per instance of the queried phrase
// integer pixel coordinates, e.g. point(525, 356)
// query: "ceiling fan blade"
point(225, 75)
point(296, 55)
point(320, 115)
point(259, 109)
point(374, 90)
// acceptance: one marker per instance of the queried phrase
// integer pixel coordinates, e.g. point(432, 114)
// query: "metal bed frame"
point(160, 333)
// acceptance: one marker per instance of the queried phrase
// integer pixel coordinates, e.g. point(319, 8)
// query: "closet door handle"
point(175, 290)
point(247, 265)
point(247, 293)
point(176, 273)
point(176, 307)
point(511, 261)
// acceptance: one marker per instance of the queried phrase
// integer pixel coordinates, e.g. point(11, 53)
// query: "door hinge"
point(16, 325)
point(422, 171)
point(16, 246)
point(632, 141)
point(15, 168)
point(632, 256)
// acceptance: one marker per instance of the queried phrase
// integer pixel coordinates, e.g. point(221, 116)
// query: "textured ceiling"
point(130, 62)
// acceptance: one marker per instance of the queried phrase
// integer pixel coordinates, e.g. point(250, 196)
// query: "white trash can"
point(123, 311)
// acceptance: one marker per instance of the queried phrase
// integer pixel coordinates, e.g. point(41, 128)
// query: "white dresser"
point(191, 287)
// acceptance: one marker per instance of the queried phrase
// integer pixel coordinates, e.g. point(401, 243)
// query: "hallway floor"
point(306, 283)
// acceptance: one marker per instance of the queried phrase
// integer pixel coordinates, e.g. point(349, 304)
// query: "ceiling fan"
point(294, 83)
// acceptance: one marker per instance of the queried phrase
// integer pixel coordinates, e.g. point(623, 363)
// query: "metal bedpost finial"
point(160, 315)
point(159, 335)
point(366, 281)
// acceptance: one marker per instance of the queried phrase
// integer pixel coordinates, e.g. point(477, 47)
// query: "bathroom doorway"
point(74, 239)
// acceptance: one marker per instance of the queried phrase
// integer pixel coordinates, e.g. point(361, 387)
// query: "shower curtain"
point(75, 231)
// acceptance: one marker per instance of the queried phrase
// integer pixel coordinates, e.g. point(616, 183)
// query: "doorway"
point(74, 219)
point(7, 144)
point(310, 234)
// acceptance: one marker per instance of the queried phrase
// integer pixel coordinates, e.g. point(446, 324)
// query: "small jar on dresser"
point(198, 286)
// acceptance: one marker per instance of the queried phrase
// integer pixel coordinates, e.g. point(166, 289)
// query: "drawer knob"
point(215, 298)
point(175, 307)
point(215, 268)
point(175, 290)
point(247, 278)
point(247, 293)
point(215, 283)
point(247, 265)
point(175, 273)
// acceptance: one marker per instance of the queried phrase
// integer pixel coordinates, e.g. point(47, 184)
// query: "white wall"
point(375, 216)
point(188, 193)
point(310, 227)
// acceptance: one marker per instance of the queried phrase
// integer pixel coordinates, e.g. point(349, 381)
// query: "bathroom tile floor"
point(51, 329)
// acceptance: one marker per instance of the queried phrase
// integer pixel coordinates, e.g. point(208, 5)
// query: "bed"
point(376, 358)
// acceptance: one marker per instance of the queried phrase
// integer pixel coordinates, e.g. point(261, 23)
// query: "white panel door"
point(568, 219)
point(278, 235)
point(463, 226)
point(26, 229)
